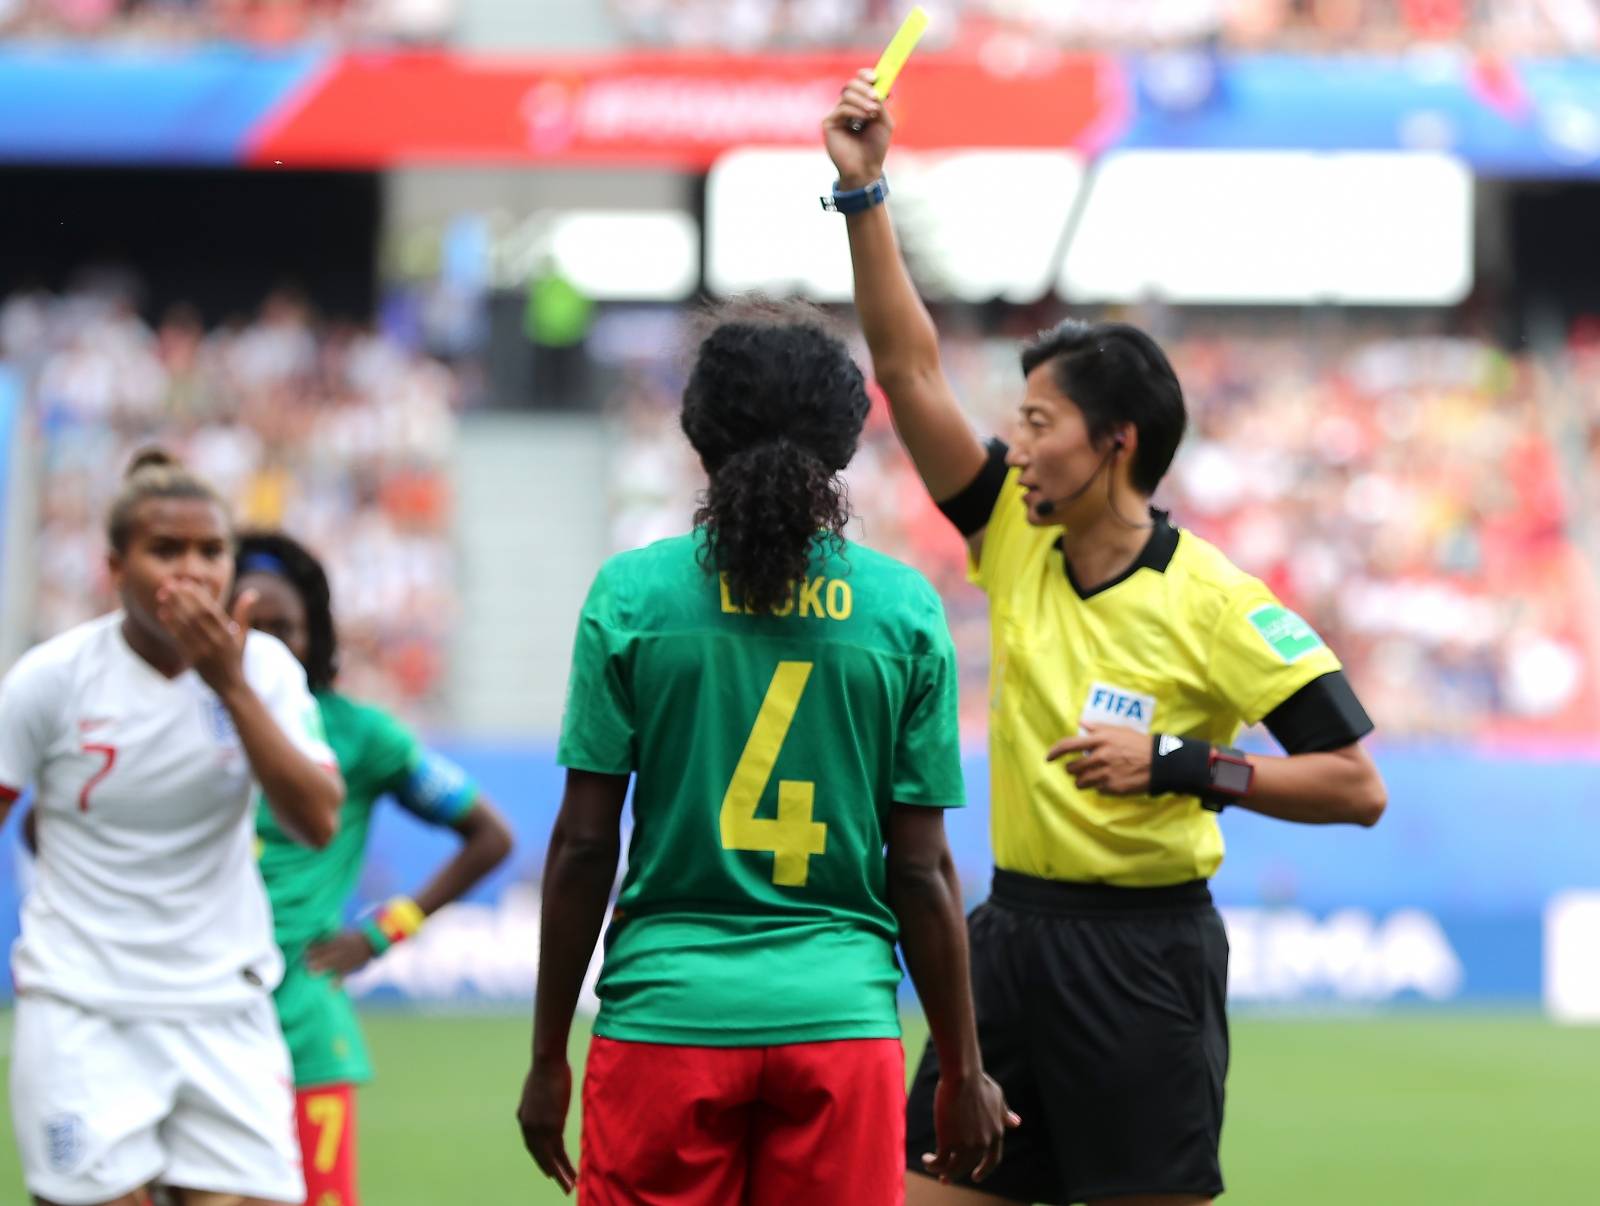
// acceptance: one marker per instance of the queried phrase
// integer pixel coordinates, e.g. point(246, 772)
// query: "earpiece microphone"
point(1050, 506)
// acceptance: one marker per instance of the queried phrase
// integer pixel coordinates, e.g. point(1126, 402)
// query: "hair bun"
point(145, 458)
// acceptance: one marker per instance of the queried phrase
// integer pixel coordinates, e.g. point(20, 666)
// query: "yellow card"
point(899, 50)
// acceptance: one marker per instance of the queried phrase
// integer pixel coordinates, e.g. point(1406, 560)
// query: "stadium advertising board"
point(1528, 117)
point(1441, 905)
point(682, 110)
point(487, 951)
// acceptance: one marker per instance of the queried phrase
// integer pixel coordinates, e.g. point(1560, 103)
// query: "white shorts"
point(102, 1106)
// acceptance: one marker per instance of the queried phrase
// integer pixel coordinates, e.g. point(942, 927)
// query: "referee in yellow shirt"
point(1127, 655)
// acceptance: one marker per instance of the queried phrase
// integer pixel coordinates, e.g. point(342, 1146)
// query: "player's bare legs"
point(927, 1191)
point(181, 1197)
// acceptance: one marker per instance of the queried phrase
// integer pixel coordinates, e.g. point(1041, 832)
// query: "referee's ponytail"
point(774, 407)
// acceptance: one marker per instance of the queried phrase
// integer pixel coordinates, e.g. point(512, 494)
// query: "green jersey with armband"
point(309, 889)
point(768, 751)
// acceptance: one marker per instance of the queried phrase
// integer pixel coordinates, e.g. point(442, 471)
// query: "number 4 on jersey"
point(793, 837)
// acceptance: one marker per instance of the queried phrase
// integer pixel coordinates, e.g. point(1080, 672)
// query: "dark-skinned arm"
point(303, 796)
point(485, 844)
point(580, 868)
point(970, 1114)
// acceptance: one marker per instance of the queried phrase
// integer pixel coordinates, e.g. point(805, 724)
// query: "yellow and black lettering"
point(794, 837)
point(729, 607)
point(841, 599)
point(812, 598)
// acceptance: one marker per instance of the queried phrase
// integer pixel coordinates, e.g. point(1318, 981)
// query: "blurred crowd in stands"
point(265, 23)
point(330, 431)
point(764, 24)
point(1504, 26)
point(1406, 495)
point(1579, 421)
point(1401, 492)
point(1418, 497)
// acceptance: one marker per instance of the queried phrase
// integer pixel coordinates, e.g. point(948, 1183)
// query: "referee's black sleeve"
point(1323, 715)
point(970, 510)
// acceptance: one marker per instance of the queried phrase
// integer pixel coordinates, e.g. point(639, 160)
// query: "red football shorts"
point(326, 1117)
point(804, 1122)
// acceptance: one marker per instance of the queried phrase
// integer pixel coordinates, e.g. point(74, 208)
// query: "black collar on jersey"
point(1156, 554)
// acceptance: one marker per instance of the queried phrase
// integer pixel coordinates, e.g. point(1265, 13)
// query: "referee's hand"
point(970, 1118)
point(1107, 758)
point(856, 132)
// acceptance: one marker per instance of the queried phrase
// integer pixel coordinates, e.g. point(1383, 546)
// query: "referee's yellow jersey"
point(1183, 643)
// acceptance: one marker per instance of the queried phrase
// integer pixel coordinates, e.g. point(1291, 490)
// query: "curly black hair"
point(774, 407)
point(276, 553)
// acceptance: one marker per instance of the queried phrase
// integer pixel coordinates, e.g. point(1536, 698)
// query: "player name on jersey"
point(816, 598)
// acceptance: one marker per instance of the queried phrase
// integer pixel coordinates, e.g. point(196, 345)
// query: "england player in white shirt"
point(145, 1048)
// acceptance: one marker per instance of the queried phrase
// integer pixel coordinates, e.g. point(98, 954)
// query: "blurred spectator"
point(1407, 492)
point(1399, 491)
point(331, 432)
point(256, 22)
point(1504, 26)
point(1315, 26)
point(760, 24)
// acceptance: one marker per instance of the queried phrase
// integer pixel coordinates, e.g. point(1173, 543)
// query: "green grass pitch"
point(1458, 1110)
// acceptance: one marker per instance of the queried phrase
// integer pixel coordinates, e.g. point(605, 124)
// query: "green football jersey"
point(310, 888)
point(768, 751)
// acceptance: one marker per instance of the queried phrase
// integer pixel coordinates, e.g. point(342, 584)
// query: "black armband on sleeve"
point(970, 510)
point(1323, 715)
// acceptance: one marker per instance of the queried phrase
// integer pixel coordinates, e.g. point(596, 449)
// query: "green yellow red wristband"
point(400, 919)
point(376, 938)
point(396, 921)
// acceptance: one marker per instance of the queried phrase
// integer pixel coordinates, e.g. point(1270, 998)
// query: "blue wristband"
point(857, 200)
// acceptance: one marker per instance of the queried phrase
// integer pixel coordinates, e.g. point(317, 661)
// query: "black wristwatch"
point(1189, 766)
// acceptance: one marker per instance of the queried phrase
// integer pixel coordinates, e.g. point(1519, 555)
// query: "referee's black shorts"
point(1101, 1014)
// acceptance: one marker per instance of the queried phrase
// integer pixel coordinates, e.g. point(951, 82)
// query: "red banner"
point(674, 110)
